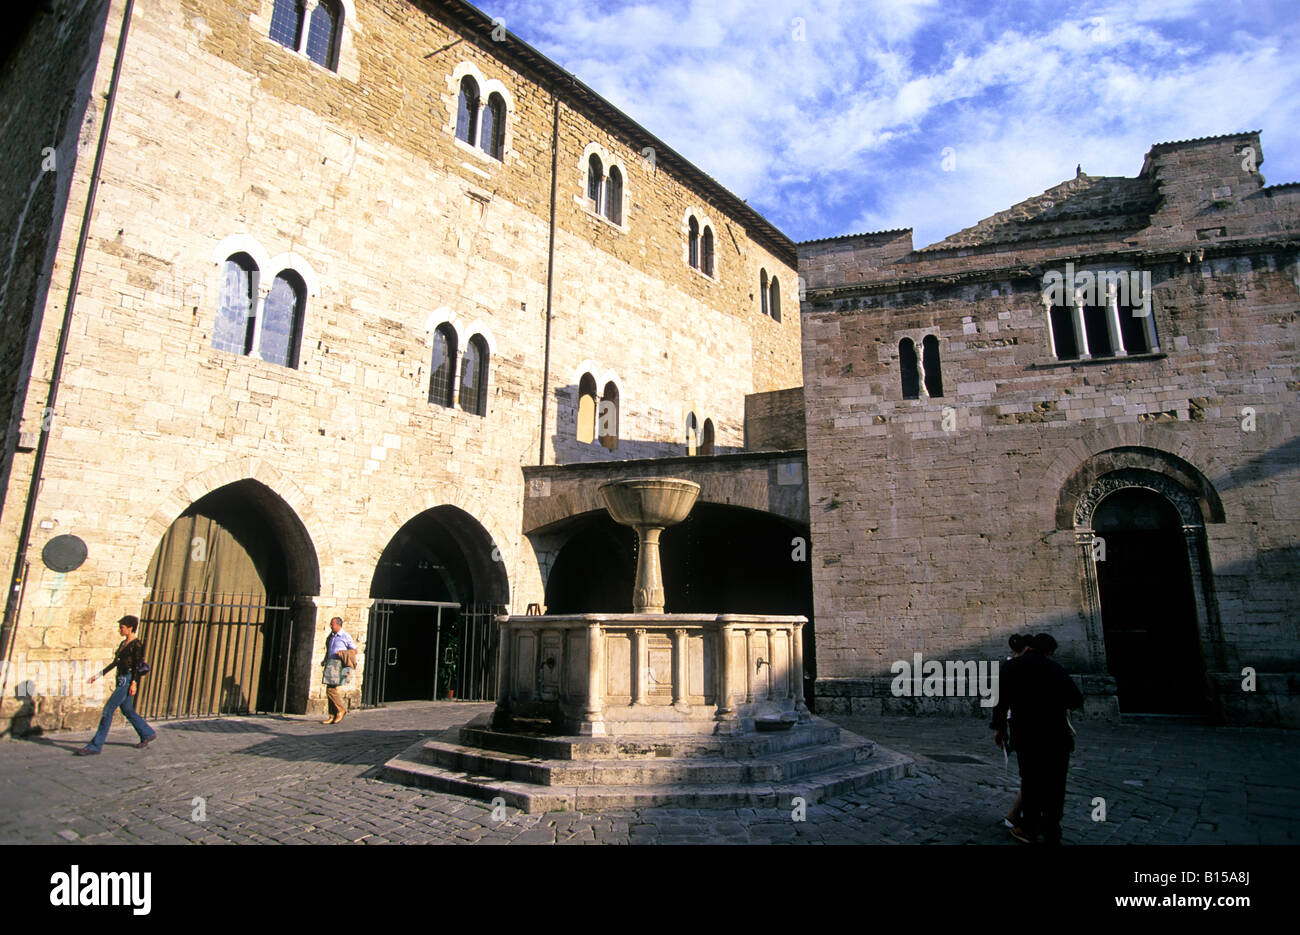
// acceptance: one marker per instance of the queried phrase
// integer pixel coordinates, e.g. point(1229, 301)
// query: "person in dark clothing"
point(128, 661)
point(1038, 692)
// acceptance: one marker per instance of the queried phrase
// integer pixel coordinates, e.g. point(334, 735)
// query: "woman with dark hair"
point(129, 662)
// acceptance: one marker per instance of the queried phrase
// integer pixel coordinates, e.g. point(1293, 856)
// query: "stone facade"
point(224, 142)
point(946, 522)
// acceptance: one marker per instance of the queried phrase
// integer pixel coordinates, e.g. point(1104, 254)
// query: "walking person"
point(1012, 818)
point(1038, 693)
point(341, 647)
point(129, 663)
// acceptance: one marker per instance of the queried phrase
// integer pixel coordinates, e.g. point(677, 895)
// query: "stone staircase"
point(537, 772)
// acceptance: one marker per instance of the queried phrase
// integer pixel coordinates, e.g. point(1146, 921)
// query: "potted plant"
point(450, 662)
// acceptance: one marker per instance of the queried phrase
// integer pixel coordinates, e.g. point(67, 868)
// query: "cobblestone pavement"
point(277, 779)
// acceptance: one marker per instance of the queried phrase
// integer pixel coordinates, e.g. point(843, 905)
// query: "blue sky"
point(840, 116)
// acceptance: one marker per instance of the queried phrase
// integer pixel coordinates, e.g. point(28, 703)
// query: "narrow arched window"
point(930, 361)
point(762, 290)
point(494, 126)
point(706, 438)
point(323, 34)
point(442, 368)
point(706, 263)
point(286, 23)
point(908, 369)
point(586, 409)
point(614, 195)
point(775, 302)
point(607, 417)
point(595, 180)
point(467, 111)
point(282, 319)
point(236, 309)
point(473, 377)
point(693, 239)
point(692, 434)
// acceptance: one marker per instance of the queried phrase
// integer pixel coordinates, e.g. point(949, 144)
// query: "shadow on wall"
point(588, 430)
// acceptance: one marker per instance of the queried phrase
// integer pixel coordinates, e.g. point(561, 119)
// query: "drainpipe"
point(550, 274)
point(13, 603)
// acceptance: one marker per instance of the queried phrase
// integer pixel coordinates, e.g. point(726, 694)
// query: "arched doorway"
point(721, 559)
point(1148, 605)
point(437, 588)
point(229, 622)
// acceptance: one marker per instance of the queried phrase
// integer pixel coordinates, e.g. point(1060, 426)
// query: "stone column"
point(1112, 324)
point(505, 675)
point(726, 715)
point(593, 716)
point(1080, 329)
point(796, 653)
point(679, 668)
point(749, 665)
point(639, 661)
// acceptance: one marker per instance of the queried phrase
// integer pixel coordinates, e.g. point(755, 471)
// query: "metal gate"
point(214, 654)
point(464, 650)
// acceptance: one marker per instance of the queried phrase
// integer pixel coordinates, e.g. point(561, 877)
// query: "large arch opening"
point(436, 589)
point(721, 559)
point(1148, 604)
point(229, 621)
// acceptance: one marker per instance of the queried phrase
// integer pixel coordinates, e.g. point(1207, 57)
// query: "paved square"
point(271, 779)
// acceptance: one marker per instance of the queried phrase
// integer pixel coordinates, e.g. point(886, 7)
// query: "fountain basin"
point(651, 674)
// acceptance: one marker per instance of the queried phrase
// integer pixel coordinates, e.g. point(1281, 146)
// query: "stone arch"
point(474, 506)
point(1134, 466)
point(291, 513)
point(1180, 485)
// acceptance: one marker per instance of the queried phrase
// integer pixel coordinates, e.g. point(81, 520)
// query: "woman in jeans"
point(128, 660)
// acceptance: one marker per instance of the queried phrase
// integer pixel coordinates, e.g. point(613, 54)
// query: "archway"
point(229, 621)
point(721, 559)
point(1148, 604)
point(437, 587)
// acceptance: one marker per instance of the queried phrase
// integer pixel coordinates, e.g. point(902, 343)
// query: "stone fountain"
point(648, 708)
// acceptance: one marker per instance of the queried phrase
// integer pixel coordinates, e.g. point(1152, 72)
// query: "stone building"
point(1077, 417)
point(291, 293)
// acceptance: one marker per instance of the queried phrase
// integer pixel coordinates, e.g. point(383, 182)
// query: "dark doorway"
point(1148, 607)
point(437, 589)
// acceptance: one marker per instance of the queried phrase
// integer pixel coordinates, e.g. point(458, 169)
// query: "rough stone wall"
point(942, 525)
point(355, 180)
point(775, 420)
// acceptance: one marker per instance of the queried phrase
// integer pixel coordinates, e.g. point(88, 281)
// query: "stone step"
point(883, 766)
point(551, 747)
point(642, 771)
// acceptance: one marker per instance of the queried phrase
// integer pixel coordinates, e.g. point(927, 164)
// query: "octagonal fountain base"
point(636, 710)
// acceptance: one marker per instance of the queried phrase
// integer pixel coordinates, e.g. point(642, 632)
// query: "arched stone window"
point(607, 417)
point(775, 303)
point(587, 409)
point(910, 373)
point(494, 126)
point(236, 306)
point(467, 111)
point(930, 364)
point(442, 367)
point(595, 182)
point(693, 240)
point(286, 23)
point(614, 195)
point(1097, 331)
point(473, 377)
point(282, 319)
point(706, 259)
point(692, 434)
point(1064, 341)
point(706, 438)
point(323, 34)
point(762, 291)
